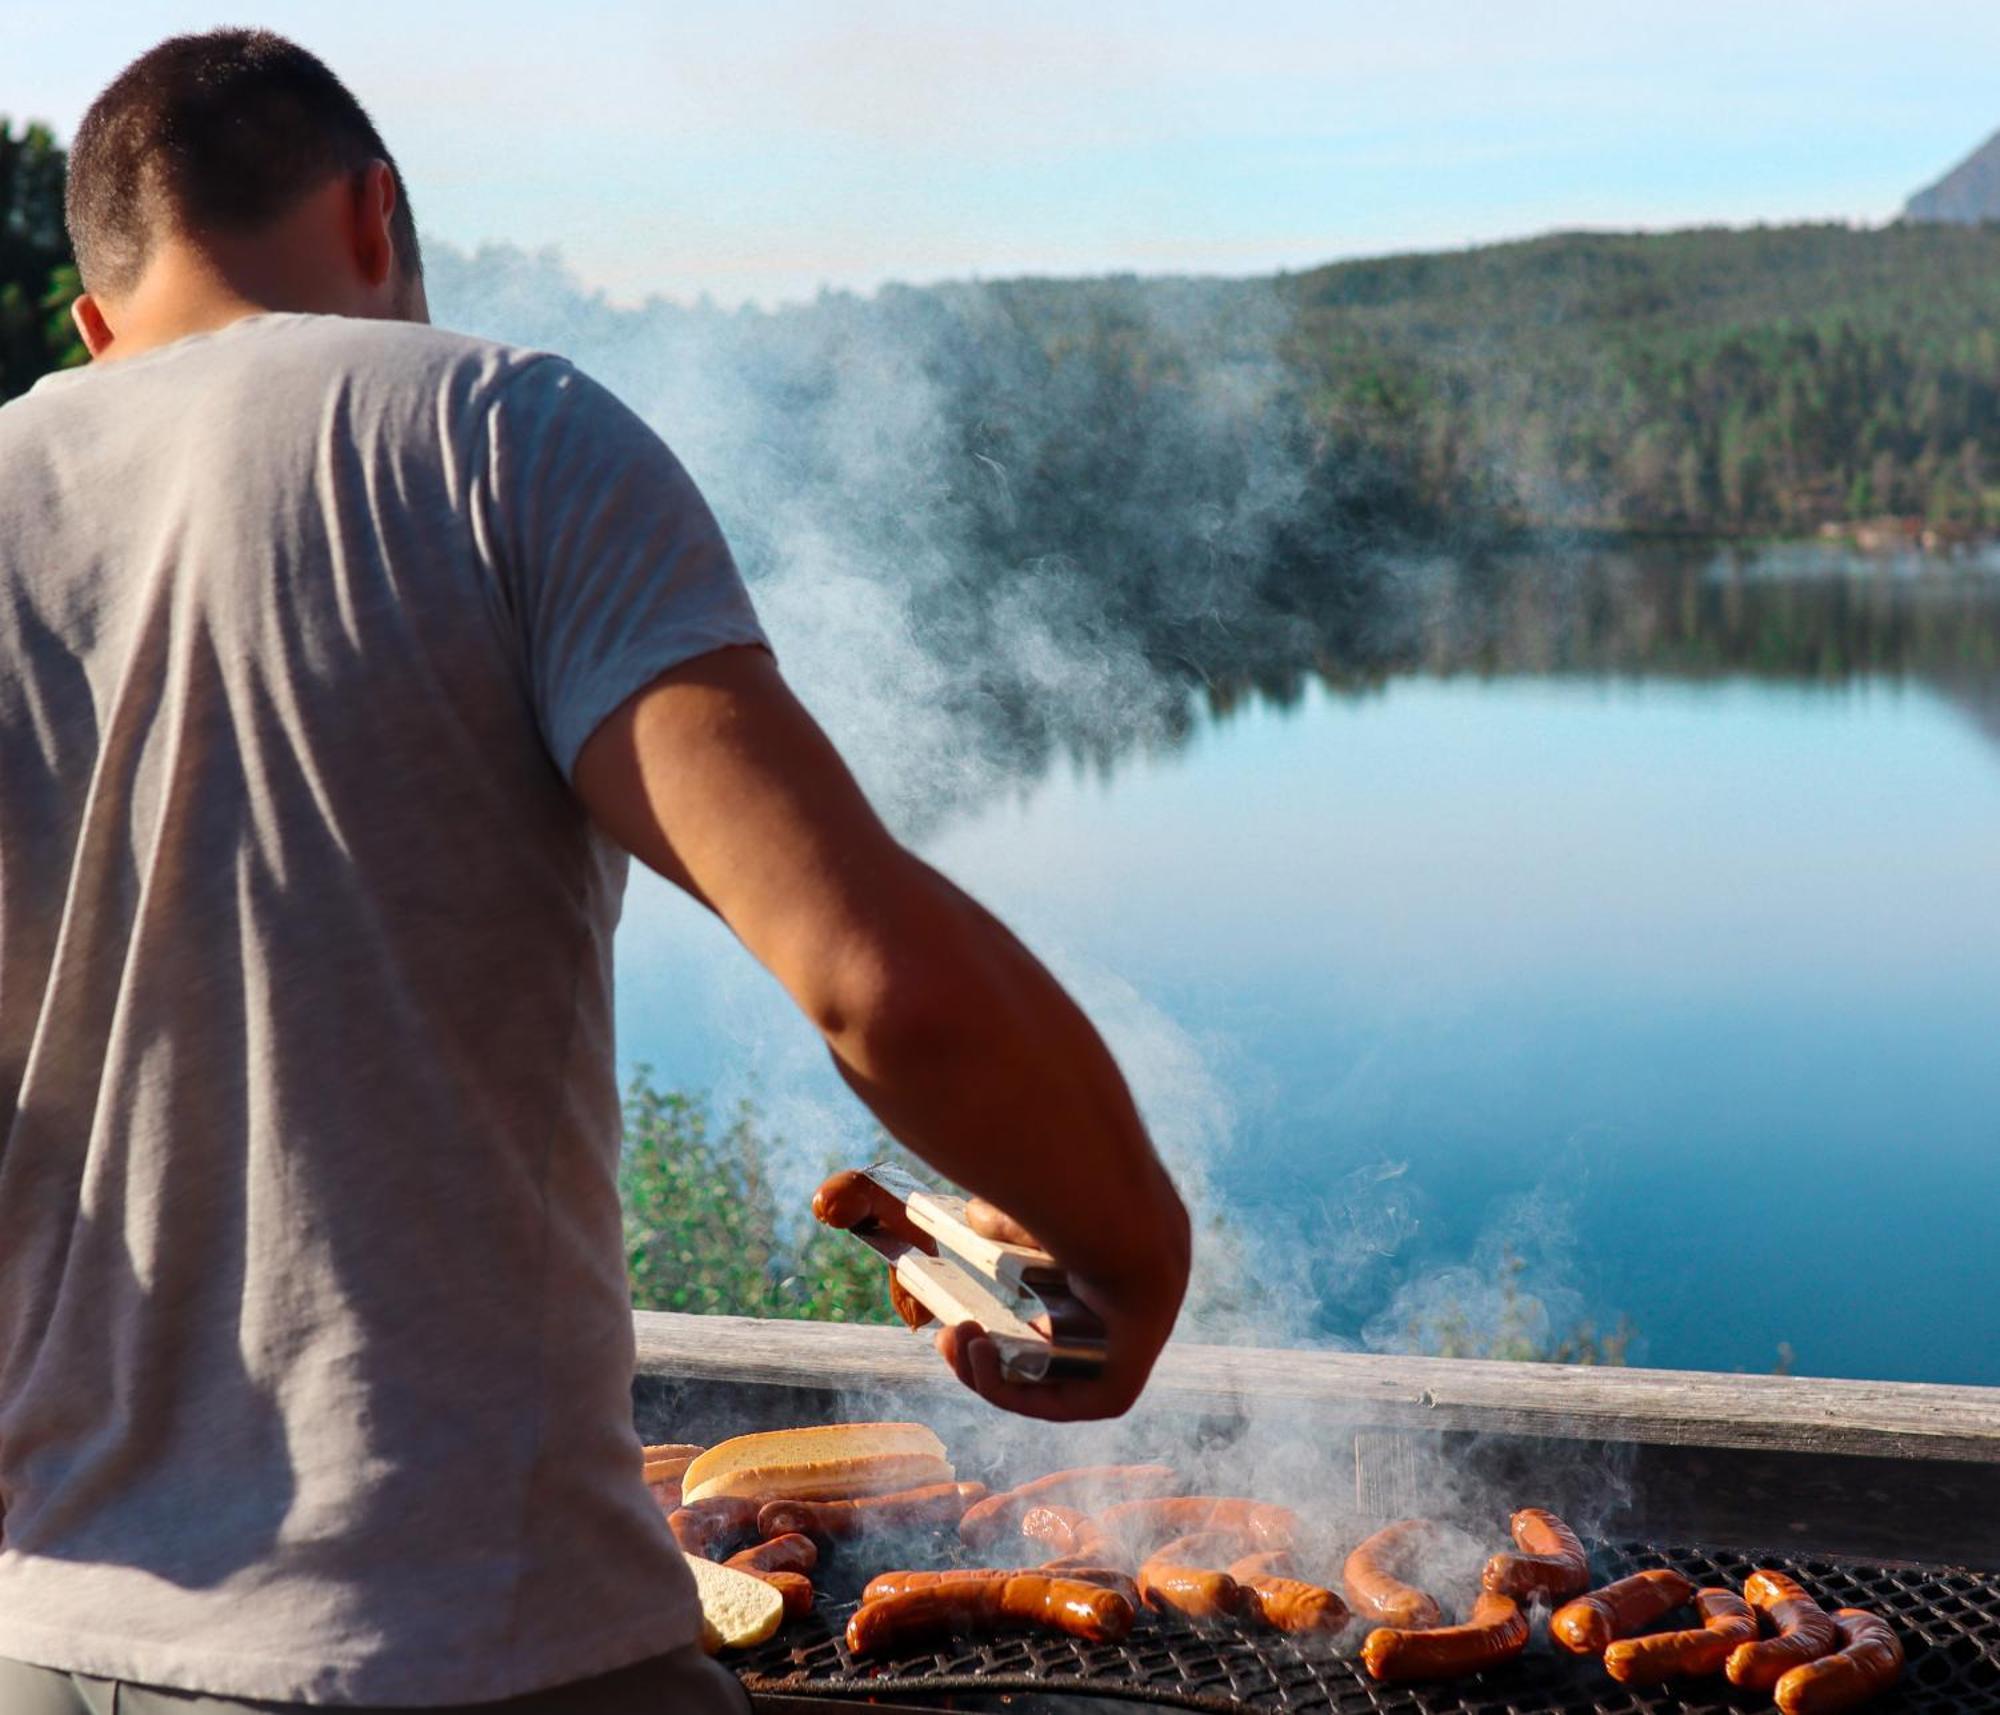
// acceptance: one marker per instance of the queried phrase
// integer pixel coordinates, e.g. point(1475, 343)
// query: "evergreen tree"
point(37, 273)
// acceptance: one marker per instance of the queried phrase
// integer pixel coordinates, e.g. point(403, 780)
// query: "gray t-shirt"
point(315, 1341)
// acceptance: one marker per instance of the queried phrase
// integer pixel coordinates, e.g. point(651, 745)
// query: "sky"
point(761, 150)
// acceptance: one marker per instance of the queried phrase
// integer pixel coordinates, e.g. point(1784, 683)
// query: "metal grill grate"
point(1949, 1621)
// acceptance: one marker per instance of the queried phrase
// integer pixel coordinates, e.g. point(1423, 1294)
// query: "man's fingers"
point(1057, 1402)
point(975, 1360)
point(990, 1222)
point(954, 1344)
point(983, 1358)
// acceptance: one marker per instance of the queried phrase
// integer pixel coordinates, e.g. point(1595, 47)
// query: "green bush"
point(1518, 1330)
point(704, 1231)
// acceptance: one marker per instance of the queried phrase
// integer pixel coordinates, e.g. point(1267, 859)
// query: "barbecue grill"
point(1949, 1621)
point(1873, 1496)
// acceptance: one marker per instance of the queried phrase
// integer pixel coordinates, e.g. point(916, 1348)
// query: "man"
point(341, 662)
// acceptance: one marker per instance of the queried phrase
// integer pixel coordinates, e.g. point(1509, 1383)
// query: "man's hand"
point(964, 1047)
point(991, 1222)
point(1134, 1328)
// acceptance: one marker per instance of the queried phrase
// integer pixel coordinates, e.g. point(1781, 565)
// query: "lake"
point(1639, 961)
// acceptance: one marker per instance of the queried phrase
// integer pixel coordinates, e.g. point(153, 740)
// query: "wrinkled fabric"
point(684, 1683)
point(315, 1342)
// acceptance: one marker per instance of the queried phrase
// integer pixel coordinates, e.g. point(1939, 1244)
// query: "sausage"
point(1589, 1625)
point(1001, 1602)
point(1213, 1549)
point(1142, 1524)
point(1070, 1533)
point(1089, 1543)
point(1289, 1604)
point(1497, 1632)
point(911, 1309)
point(795, 1587)
point(1726, 1621)
point(1093, 1545)
point(1376, 1592)
point(667, 1491)
point(1551, 1563)
point(1869, 1661)
point(895, 1583)
point(1184, 1572)
point(1274, 1563)
point(1805, 1632)
point(1053, 1526)
point(1086, 1565)
point(936, 1505)
point(706, 1527)
point(1188, 1590)
point(1111, 1577)
point(790, 1552)
point(1086, 1485)
point(852, 1199)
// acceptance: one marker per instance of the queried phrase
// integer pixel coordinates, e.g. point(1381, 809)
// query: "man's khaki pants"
point(684, 1683)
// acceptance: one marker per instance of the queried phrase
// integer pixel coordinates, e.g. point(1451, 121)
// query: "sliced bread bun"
point(830, 1479)
point(669, 1460)
point(736, 1609)
point(833, 1462)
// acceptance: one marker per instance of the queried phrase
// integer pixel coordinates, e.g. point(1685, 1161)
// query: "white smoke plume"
point(988, 526)
point(922, 488)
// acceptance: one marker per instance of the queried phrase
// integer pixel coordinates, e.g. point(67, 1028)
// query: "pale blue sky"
point(761, 148)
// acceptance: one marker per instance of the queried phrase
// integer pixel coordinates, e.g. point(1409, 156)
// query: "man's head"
point(235, 166)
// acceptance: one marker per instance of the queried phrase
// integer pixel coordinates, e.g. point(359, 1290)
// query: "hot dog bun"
point(834, 1462)
point(737, 1610)
point(669, 1461)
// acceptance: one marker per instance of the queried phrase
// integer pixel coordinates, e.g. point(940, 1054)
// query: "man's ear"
point(374, 207)
point(91, 326)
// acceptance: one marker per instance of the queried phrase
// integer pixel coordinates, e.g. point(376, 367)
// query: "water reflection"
point(1629, 917)
point(1804, 615)
point(1629, 913)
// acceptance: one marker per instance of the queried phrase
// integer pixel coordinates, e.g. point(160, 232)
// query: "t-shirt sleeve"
point(613, 567)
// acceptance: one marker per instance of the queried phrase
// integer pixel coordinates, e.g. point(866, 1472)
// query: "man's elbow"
point(887, 1011)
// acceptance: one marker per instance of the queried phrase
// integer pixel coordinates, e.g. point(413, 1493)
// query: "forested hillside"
point(1711, 381)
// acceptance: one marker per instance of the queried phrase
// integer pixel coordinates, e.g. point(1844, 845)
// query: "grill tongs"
point(941, 1270)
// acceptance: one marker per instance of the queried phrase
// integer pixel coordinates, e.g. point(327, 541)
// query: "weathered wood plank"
point(1390, 1473)
point(1897, 1420)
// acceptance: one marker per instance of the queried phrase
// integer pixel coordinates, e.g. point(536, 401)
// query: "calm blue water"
point(1685, 993)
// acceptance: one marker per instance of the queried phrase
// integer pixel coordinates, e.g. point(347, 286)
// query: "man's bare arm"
point(940, 1020)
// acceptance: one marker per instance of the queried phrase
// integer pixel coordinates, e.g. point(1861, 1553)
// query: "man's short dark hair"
point(216, 133)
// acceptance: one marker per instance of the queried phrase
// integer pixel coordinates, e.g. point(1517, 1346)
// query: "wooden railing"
point(1887, 1469)
point(1900, 1420)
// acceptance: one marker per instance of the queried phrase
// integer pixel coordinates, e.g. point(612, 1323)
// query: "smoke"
point(985, 527)
point(977, 520)
point(992, 526)
point(1515, 1295)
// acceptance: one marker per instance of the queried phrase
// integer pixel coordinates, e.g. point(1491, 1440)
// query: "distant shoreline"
point(1879, 538)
